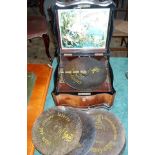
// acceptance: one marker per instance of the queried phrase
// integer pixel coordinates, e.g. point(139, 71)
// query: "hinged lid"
point(84, 26)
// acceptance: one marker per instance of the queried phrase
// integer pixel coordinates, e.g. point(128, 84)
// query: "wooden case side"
point(103, 99)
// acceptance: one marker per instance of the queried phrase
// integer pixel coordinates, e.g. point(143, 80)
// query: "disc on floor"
point(110, 134)
point(84, 73)
point(88, 134)
point(56, 131)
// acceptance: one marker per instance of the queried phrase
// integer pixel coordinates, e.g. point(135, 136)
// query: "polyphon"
point(83, 31)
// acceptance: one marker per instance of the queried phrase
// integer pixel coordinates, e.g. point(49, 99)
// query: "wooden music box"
point(83, 29)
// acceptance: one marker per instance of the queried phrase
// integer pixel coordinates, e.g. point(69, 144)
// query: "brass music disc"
point(56, 131)
point(84, 73)
point(110, 134)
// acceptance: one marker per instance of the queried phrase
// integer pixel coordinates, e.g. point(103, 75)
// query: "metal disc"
point(56, 131)
point(84, 73)
point(88, 134)
point(110, 134)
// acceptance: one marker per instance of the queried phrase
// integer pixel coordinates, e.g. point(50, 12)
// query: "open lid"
point(84, 26)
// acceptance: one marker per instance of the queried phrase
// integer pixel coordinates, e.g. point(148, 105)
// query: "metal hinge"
point(84, 94)
point(98, 54)
point(68, 54)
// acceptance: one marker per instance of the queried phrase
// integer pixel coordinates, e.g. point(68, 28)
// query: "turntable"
point(83, 30)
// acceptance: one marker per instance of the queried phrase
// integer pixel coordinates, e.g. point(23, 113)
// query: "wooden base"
point(37, 99)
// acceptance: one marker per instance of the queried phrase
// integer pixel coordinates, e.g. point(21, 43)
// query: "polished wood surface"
point(37, 99)
point(102, 99)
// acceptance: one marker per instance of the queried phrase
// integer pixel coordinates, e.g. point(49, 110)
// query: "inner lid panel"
point(83, 29)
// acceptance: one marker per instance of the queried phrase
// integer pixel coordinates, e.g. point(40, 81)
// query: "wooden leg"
point(126, 43)
point(47, 42)
point(122, 40)
point(30, 40)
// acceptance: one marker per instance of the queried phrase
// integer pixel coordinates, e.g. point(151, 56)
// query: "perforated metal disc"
point(56, 131)
point(84, 73)
point(110, 134)
point(88, 135)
